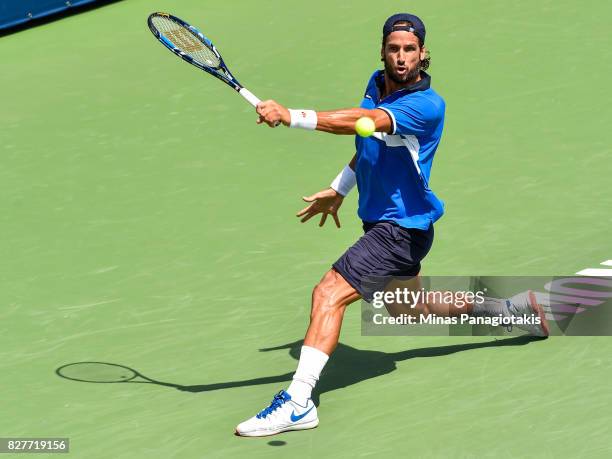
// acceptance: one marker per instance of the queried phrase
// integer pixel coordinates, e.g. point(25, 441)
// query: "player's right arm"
point(343, 121)
point(335, 121)
point(327, 201)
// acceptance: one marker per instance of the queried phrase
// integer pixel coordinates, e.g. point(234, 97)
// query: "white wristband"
point(345, 181)
point(304, 119)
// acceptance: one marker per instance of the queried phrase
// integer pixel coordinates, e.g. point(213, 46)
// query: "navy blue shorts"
point(386, 250)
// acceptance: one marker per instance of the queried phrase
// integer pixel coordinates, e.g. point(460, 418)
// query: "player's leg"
point(383, 250)
point(362, 269)
point(434, 304)
point(330, 298)
point(522, 305)
point(294, 409)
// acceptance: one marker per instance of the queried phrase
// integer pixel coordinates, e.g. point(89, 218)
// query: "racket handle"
point(253, 100)
point(249, 96)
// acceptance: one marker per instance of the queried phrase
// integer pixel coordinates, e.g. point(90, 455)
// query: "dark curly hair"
point(425, 62)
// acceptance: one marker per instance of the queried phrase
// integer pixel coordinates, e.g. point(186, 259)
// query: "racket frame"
point(228, 78)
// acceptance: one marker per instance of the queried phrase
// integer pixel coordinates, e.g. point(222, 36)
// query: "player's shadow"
point(348, 365)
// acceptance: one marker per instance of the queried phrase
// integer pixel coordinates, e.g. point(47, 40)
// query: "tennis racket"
point(192, 46)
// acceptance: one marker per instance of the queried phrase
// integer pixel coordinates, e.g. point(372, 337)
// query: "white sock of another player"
point(307, 374)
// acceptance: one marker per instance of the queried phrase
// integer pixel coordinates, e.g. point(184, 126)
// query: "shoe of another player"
point(526, 305)
point(282, 415)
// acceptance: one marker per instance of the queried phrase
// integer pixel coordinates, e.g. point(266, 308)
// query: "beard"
point(410, 75)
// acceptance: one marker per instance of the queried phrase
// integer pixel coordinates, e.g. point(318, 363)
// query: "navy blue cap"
point(417, 27)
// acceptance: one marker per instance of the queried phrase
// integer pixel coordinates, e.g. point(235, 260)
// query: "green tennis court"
point(149, 222)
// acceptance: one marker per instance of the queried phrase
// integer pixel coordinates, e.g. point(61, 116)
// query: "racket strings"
point(186, 42)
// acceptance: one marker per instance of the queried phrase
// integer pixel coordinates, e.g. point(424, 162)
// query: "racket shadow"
point(114, 373)
point(347, 366)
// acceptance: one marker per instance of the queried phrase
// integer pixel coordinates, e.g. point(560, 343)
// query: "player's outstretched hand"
point(272, 113)
point(326, 202)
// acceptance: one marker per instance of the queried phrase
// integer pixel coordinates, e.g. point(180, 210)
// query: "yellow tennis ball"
point(365, 126)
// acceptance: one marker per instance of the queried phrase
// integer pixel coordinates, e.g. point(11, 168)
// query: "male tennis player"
point(398, 209)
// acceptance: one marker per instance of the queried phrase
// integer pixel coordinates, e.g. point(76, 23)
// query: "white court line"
point(607, 263)
point(596, 272)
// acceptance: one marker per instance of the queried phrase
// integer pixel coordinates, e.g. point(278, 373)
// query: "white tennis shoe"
point(526, 305)
point(282, 415)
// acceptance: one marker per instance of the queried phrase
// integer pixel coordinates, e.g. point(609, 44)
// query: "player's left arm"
point(335, 121)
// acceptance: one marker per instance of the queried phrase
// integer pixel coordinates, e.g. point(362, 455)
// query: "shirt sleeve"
point(411, 116)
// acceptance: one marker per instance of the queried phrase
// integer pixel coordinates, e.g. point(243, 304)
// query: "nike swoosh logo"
point(295, 418)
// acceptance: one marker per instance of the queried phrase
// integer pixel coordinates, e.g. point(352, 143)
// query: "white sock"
point(307, 374)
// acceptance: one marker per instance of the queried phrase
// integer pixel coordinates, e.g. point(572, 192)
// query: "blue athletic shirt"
point(393, 169)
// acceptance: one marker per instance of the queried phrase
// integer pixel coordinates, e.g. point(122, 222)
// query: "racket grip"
point(253, 100)
point(249, 96)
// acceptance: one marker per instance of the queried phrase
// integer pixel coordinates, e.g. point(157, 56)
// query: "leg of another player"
point(330, 298)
